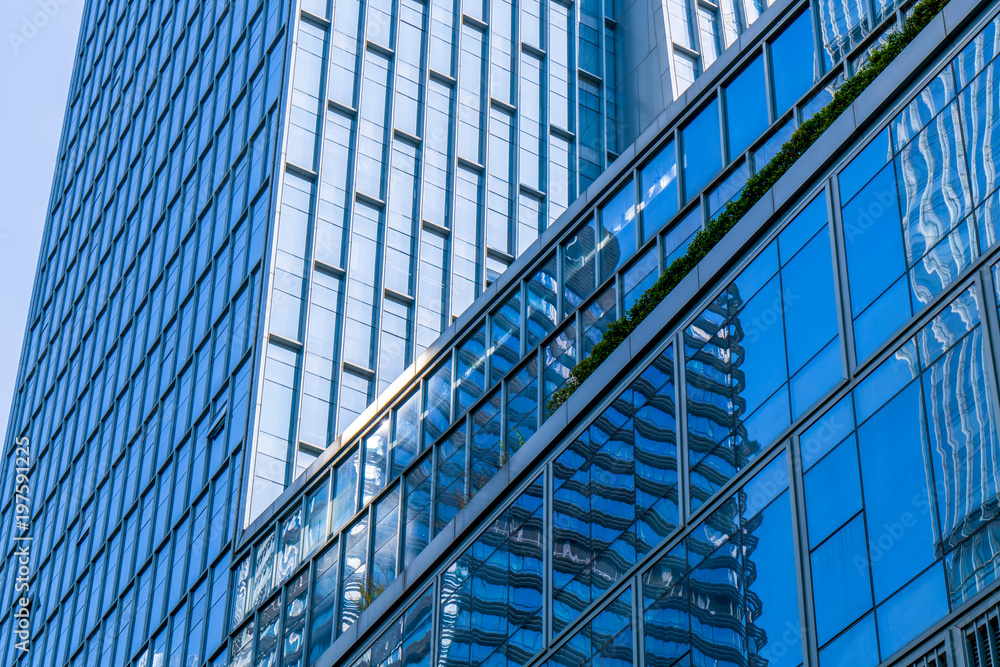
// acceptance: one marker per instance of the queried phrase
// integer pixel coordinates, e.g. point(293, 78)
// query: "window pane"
point(579, 267)
point(505, 337)
point(560, 358)
point(639, 277)
point(772, 594)
point(522, 405)
point(450, 495)
point(376, 473)
point(406, 426)
point(618, 231)
point(676, 241)
point(437, 404)
point(470, 371)
point(872, 235)
point(841, 588)
point(542, 302)
point(746, 107)
point(488, 454)
point(857, 647)
point(833, 491)
point(895, 490)
point(702, 150)
point(911, 611)
point(658, 181)
point(418, 511)
point(601, 312)
point(316, 517)
point(345, 494)
point(793, 56)
point(809, 301)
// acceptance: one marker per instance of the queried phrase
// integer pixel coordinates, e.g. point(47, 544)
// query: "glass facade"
point(427, 145)
point(266, 212)
point(137, 372)
point(778, 481)
point(503, 369)
point(394, 219)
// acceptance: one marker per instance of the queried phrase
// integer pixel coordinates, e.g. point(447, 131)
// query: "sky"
point(37, 43)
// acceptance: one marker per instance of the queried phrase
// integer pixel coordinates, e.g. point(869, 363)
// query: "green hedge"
point(756, 187)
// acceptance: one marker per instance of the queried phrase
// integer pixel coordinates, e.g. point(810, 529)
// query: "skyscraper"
point(313, 272)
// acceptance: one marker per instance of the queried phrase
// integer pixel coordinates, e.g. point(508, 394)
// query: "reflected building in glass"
point(313, 272)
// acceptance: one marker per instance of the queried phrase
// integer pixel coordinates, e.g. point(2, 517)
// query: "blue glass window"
point(488, 451)
point(615, 493)
point(417, 523)
point(865, 164)
point(470, 365)
point(872, 236)
point(983, 137)
point(579, 267)
point(324, 602)
point(793, 56)
point(933, 188)
point(437, 404)
point(727, 591)
point(542, 304)
point(677, 239)
point(385, 538)
point(450, 494)
point(702, 150)
point(955, 387)
point(376, 471)
point(772, 145)
point(833, 491)
point(345, 491)
point(639, 277)
point(355, 581)
point(810, 322)
point(728, 189)
point(746, 107)
point(317, 507)
point(857, 647)
point(741, 349)
point(597, 316)
point(658, 182)
point(911, 611)
point(505, 337)
point(907, 469)
point(841, 588)
point(927, 104)
point(618, 231)
point(522, 405)
point(895, 489)
point(771, 595)
point(560, 356)
point(492, 601)
point(406, 426)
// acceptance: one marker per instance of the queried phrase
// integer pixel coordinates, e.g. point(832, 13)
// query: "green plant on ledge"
point(369, 589)
point(757, 186)
point(480, 476)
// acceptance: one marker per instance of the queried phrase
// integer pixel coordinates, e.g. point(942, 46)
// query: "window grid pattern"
point(476, 201)
point(140, 350)
point(739, 546)
point(472, 233)
point(605, 264)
